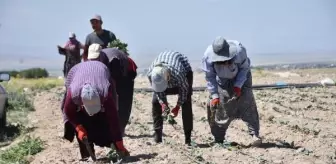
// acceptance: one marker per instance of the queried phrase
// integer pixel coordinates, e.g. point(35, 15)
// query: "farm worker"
point(227, 70)
point(170, 74)
point(90, 106)
point(71, 51)
point(101, 36)
point(123, 72)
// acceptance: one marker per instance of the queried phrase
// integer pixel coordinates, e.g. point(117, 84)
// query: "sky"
point(273, 31)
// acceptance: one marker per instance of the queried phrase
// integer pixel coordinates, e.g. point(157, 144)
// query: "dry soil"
point(304, 119)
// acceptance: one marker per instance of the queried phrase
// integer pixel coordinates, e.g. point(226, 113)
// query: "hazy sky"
point(271, 30)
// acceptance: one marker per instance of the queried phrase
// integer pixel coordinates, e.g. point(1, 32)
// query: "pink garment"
point(72, 45)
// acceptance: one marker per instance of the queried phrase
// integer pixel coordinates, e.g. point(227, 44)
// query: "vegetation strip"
point(20, 153)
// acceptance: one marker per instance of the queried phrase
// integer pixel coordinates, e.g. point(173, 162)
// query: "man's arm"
point(112, 36)
point(243, 65)
point(210, 76)
point(185, 63)
point(162, 97)
point(81, 46)
point(86, 48)
point(112, 114)
point(183, 89)
point(70, 109)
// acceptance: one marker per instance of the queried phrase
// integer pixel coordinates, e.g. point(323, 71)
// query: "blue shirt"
point(216, 74)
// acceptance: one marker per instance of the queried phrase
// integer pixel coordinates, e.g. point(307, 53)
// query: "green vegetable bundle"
point(120, 45)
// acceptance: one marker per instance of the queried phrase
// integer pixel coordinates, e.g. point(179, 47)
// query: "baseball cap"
point(94, 51)
point(96, 17)
point(72, 35)
point(91, 99)
point(159, 78)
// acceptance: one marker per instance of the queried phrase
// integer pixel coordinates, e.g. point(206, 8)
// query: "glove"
point(81, 132)
point(120, 147)
point(237, 91)
point(165, 110)
point(214, 102)
point(175, 110)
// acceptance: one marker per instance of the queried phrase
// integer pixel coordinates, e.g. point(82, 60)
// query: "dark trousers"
point(69, 130)
point(187, 114)
point(125, 90)
point(97, 128)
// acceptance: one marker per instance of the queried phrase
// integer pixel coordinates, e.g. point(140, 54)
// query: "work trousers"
point(187, 114)
point(125, 90)
point(244, 108)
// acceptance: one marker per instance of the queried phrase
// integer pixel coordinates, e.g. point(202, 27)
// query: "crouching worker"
point(123, 72)
point(229, 81)
point(90, 106)
point(171, 74)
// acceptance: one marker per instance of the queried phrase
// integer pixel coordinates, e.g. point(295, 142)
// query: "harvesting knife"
point(88, 148)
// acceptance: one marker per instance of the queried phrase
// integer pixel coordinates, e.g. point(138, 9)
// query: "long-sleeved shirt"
point(178, 66)
point(74, 45)
point(118, 62)
point(218, 74)
point(97, 74)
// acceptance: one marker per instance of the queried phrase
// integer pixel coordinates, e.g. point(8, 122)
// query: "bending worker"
point(123, 72)
point(170, 74)
point(90, 106)
point(228, 76)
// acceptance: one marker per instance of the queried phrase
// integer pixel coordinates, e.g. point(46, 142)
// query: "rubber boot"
point(158, 136)
point(187, 138)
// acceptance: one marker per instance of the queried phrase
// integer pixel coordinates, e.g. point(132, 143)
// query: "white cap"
point(94, 51)
point(159, 78)
point(72, 35)
point(91, 99)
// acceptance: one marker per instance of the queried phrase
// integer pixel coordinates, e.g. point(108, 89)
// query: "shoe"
point(158, 136)
point(219, 141)
point(188, 141)
point(256, 140)
point(187, 138)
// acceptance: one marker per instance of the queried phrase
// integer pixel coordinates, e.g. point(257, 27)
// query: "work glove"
point(175, 110)
point(237, 91)
point(214, 102)
point(165, 110)
point(81, 132)
point(121, 149)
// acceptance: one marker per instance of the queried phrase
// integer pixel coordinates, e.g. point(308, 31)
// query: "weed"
point(16, 84)
point(19, 153)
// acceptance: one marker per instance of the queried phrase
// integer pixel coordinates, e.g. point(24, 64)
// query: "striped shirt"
point(178, 66)
point(93, 72)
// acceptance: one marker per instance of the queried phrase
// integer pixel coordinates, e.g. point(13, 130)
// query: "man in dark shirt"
point(91, 106)
point(99, 35)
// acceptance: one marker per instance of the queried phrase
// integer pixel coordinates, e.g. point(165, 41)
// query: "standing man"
point(227, 70)
point(171, 74)
point(71, 51)
point(123, 72)
point(99, 35)
point(90, 106)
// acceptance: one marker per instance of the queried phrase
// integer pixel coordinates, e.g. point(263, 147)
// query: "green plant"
point(34, 73)
point(19, 101)
point(20, 152)
point(120, 45)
